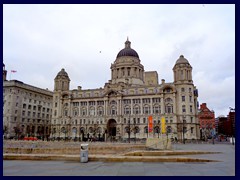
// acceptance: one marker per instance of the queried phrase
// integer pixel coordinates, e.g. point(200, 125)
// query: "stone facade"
point(27, 110)
point(120, 109)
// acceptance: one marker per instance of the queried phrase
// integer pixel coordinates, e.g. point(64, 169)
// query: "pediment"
point(112, 93)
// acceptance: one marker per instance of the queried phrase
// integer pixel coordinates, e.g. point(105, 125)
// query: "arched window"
point(146, 109)
point(75, 112)
point(127, 110)
point(100, 111)
point(136, 110)
point(156, 109)
point(83, 111)
point(113, 110)
point(92, 111)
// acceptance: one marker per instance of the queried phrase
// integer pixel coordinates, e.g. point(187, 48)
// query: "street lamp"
point(129, 131)
point(134, 130)
point(183, 129)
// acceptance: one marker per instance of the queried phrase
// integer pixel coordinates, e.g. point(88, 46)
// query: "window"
point(127, 110)
point(125, 121)
point(24, 106)
point(100, 103)
point(100, 111)
point(127, 101)
point(138, 120)
point(146, 100)
point(156, 100)
point(190, 108)
point(156, 109)
point(191, 119)
point(144, 120)
point(146, 109)
point(92, 111)
point(83, 111)
point(168, 109)
point(55, 113)
point(15, 111)
point(91, 103)
point(136, 101)
point(183, 98)
point(136, 110)
point(55, 104)
point(113, 110)
point(190, 98)
point(190, 89)
point(66, 113)
point(182, 89)
point(192, 129)
point(75, 113)
point(16, 104)
point(183, 108)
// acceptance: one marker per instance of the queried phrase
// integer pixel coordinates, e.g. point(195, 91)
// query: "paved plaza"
point(226, 166)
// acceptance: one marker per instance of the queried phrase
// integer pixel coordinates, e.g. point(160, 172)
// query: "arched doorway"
point(111, 128)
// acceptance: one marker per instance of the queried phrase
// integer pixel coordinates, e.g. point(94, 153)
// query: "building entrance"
point(111, 128)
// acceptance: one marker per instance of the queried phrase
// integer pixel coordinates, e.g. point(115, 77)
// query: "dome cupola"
point(127, 51)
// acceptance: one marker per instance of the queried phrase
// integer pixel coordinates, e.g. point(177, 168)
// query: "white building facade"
point(120, 110)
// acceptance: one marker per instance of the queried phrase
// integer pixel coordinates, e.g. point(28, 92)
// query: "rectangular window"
point(190, 98)
point(190, 108)
point(183, 98)
point(191, 129)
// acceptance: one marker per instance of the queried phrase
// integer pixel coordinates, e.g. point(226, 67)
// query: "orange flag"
point(150, 124)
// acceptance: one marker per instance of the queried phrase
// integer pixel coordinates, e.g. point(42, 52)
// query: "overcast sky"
point(39, 40)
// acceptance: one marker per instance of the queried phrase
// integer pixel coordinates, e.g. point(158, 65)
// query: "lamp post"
point(134, 130)
point(183, 129)
point(129, 129)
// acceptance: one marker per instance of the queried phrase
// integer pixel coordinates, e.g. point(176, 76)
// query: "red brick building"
point(226, 125)
point(206, 121)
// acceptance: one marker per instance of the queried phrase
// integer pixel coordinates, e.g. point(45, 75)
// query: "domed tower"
point(182, 71)
point(186, 98)
point(127, 67)
point(4, 73)
point(61, 81)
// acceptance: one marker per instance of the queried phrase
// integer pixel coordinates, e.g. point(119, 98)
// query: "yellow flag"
point(163, 125)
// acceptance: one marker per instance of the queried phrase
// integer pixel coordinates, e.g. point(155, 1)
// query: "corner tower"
point(61, 81)
point(127, 67)
point(182, 71)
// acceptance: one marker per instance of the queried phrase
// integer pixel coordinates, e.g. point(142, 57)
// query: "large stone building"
point(126, 102)
point(27, 110)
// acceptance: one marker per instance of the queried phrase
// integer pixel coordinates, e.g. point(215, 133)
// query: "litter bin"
point(84, 153)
